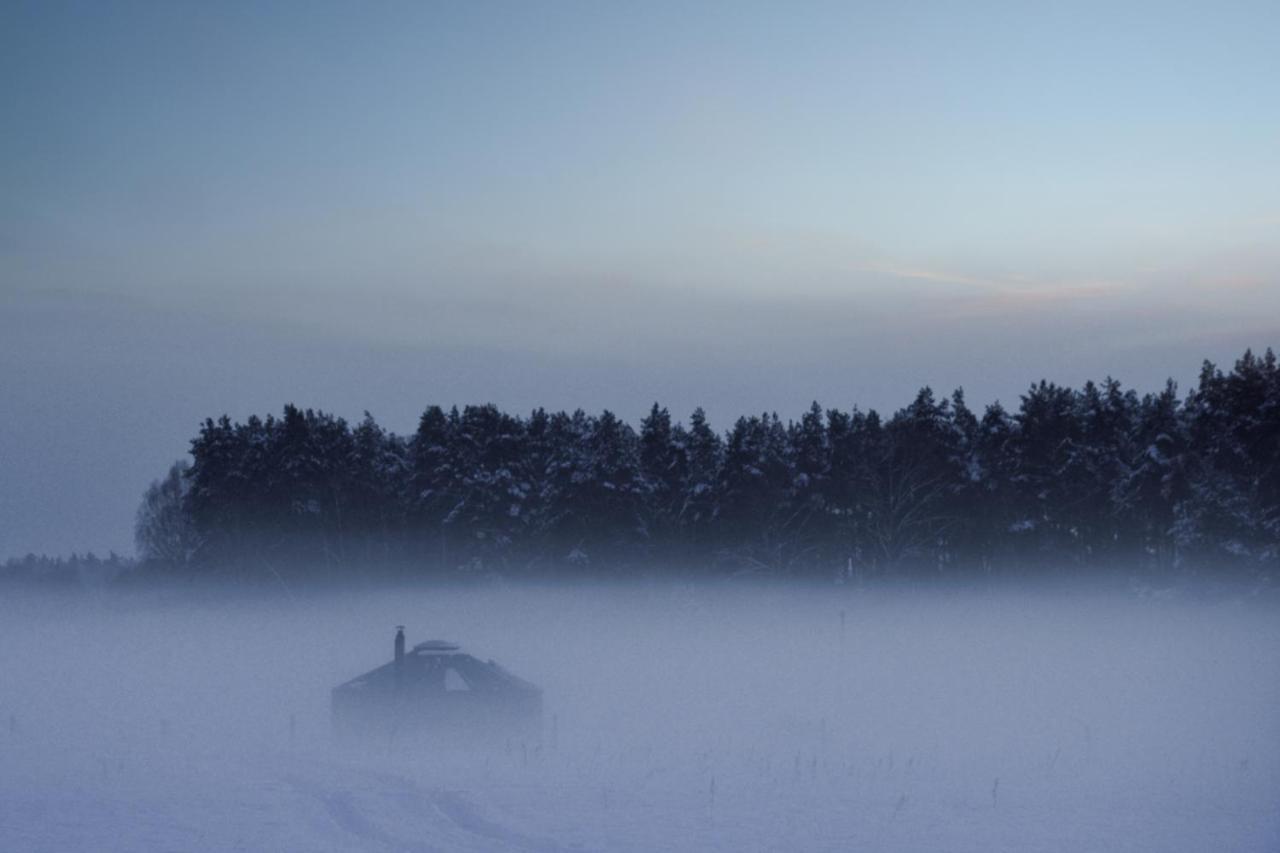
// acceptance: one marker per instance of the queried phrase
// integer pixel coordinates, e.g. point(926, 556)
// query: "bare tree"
point(163, 531)
point(905, 510)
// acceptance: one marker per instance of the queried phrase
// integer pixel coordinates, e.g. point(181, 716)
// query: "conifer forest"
point(1090, 477)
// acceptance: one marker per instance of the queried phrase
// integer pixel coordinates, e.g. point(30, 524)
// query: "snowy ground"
point(678, 718)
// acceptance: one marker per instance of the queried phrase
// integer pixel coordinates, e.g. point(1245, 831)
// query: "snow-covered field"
point(677, 718)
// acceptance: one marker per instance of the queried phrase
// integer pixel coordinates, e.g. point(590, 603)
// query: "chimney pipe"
point(399, 666)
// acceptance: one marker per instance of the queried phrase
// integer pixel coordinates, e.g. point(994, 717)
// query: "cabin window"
point(453, 680)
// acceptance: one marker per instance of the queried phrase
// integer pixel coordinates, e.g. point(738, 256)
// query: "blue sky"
point(222, 207)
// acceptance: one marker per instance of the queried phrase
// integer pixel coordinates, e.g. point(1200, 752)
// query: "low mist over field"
point(675, 717)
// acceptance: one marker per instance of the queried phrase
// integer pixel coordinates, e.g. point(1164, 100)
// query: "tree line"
point(1073, 479)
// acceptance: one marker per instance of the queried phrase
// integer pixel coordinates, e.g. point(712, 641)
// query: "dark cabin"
point(436, 689)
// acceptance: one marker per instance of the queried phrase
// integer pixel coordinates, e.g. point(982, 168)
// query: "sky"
point(221, 208)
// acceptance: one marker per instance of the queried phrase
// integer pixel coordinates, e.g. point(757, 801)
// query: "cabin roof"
point(430, 658)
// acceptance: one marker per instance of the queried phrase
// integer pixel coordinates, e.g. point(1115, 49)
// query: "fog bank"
point(676, 717)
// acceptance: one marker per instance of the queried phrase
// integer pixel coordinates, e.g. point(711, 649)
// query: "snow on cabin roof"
point(435, 647)
point(429, 657)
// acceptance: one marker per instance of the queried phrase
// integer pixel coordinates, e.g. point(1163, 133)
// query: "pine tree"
point(664, 472)
point(433, 485)
point(699, 508)
point(807, 525)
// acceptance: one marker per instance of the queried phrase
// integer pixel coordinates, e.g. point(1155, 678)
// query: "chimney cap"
point(435, 647)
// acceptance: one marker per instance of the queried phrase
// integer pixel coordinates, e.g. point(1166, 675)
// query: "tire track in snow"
point(341, 807)
point(454, 807)
point(462, 812)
